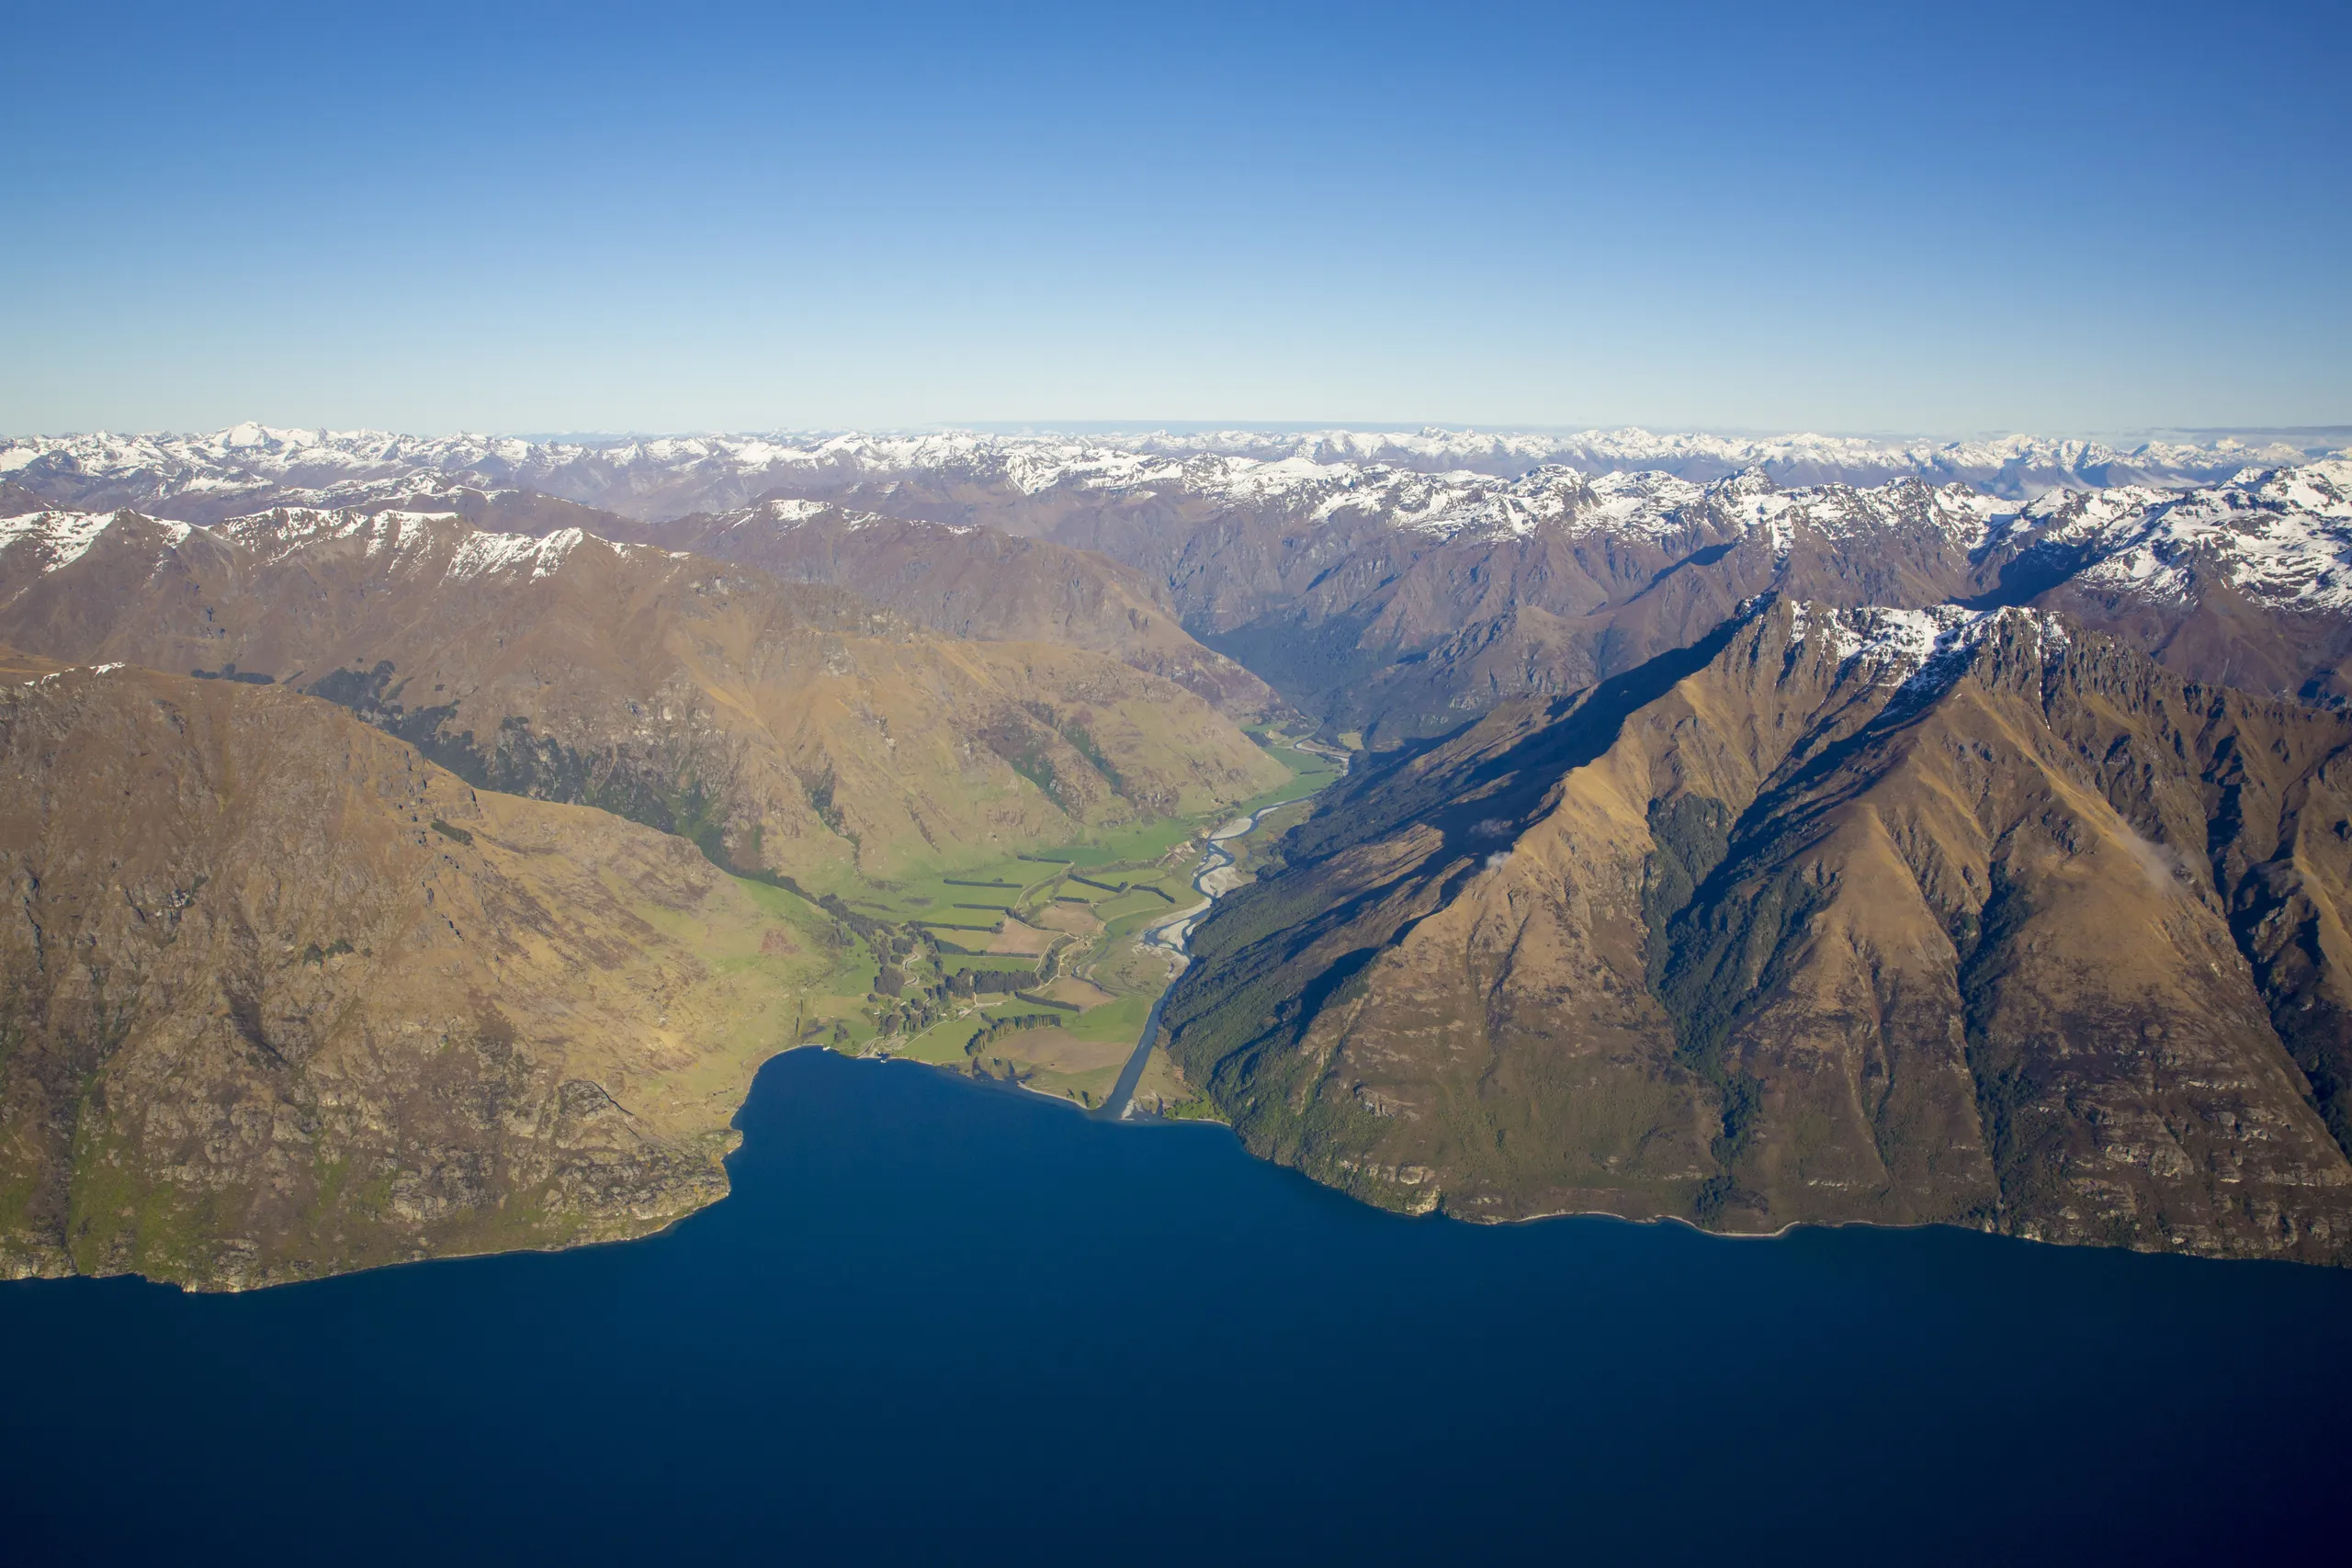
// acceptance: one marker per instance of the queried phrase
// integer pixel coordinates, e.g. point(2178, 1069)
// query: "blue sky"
point(1942, 220)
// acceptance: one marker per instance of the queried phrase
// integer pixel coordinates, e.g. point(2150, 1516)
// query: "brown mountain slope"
point(1486, 615)
point(1375, 622)
point(786, 727)
point(1401, 604)
point(1224, 561)
point(280, 997)
point(1826, 919)
point(2219, 632)
point(502, 510)
point(976, 582)
point(971, 583)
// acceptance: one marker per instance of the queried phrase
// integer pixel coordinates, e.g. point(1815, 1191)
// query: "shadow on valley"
point(1562, 734)
point(1231, 1022)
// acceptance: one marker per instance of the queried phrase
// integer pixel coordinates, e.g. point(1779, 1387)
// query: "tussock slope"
point(1840, 916)
point(280, 997)
point(979, 583)
point(786, 727)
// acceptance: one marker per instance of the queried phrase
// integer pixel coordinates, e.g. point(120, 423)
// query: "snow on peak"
point(2161, 521)
point(272, 536)
point(203, 476)
point(74, 670)
point(1918, 650)
point(775, 518)
point(408, 540)
point(787, 512)
point(483, 555)
point(58, 539)
point(2281, 536)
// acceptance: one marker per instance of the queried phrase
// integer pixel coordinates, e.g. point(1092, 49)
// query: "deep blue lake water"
point(943, 1320)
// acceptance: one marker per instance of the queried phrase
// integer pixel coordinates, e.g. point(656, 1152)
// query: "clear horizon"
point(1824, 218)
point(2312, 437)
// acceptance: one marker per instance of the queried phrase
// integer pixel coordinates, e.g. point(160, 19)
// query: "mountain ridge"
point(282, 999)
point(792, 729)
point(669, 476)
point(1905, 917)
point(1320, 560)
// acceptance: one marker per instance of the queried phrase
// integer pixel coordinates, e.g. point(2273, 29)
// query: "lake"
point(947, 1321)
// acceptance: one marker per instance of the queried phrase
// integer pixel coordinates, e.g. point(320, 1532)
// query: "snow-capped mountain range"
point(2283, 537)
point(2279, 526)
point(208, 477)
point(1333, 564)
point(390, 541)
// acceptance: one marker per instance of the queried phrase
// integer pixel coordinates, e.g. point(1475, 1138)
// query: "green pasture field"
point(934, 893)
point(1110, 910)
point(1122, 1019)
point(1137, 919)
point(841, 978)
point(1309, 774)
point(941, 1045)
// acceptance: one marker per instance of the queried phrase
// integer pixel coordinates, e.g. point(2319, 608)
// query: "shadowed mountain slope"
point(1840, 915)
point(1399, 604)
